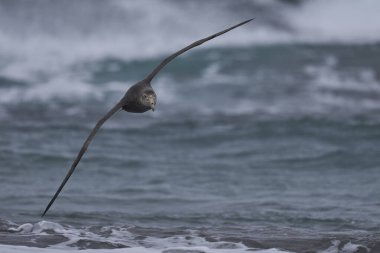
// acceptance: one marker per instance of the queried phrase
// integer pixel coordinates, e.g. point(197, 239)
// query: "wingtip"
point(246, 21)
point(48, 207)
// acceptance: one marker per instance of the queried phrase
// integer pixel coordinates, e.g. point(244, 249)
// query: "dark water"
point(253, 145)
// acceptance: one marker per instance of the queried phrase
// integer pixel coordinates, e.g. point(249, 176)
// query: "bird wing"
point(83, 150)
point(121, 103)
point(194, 44)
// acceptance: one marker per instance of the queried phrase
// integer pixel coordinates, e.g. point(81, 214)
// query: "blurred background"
point(272, 127)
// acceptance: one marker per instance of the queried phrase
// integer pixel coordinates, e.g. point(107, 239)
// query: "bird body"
point(139, 98)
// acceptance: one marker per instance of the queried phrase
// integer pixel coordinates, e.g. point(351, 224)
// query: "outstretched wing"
point(83, 150)
point(197, 43)
point(120, 105)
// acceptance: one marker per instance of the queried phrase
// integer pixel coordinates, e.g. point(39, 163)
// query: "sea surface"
point(265, 140)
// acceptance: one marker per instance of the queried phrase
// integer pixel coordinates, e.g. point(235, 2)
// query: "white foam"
point(38, 228)
point(23, 249)
point(47, 58)
point(347, 248)
point(317, 21)
point(328, 84)
point(347, 21)
point(123, 236)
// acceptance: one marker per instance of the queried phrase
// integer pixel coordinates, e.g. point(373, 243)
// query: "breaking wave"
point(112, 239)
point(38, 39)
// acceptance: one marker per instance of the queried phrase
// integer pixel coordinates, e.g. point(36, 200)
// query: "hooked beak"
point(152, 102)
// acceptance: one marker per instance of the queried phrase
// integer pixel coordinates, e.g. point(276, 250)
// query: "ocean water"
point(265, 139)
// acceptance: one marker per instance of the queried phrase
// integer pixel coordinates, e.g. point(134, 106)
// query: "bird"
point(139, 98)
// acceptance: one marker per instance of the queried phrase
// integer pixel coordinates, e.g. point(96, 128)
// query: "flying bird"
point(139, 98)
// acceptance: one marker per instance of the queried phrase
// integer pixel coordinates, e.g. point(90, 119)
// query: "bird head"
point(148, 99)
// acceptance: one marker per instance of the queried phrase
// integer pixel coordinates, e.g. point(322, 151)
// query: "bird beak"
point(152, 102)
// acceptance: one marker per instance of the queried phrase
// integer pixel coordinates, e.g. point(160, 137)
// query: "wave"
point(60, 58)
point(146, 29)
point(22, 249)
point(111, 239)
point(325, 87)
